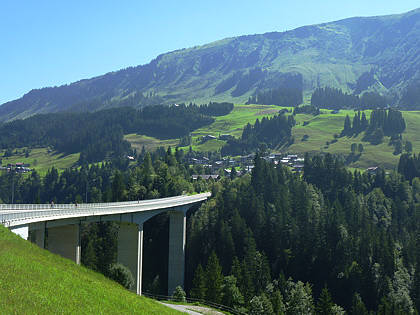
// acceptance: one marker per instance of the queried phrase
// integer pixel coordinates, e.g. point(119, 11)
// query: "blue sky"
point(48, 43)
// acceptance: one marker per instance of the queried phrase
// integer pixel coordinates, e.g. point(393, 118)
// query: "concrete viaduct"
point(63, 224)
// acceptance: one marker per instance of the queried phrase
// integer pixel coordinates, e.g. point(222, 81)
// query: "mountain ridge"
point(335, 54)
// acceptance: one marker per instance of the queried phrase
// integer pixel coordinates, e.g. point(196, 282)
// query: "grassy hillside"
point(231, 124)
point(149, 143)
point(41, 159)
point(35, 281)
point(319, 129)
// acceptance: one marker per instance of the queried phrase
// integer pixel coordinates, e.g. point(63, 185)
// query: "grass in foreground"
point(35, 281)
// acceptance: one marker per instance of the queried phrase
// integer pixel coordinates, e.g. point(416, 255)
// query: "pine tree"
point(325, 304)
point(347, 131)
point(357, 306)
point(232, 297)
point(198, 290)
point(118, 187)
point(214, 279)
point(364, 124)
point(356, 123)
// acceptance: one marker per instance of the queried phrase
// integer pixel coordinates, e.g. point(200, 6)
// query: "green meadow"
point(41, 159)
point(321, 129)
point(318, 130)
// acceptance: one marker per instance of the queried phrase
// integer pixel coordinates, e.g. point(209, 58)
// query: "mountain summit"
point(356, 54)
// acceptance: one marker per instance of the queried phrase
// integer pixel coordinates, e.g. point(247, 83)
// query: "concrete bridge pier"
point(38, 233)
point(65, 241)
point(130, 246)
point(176, 263)
point(130, 250)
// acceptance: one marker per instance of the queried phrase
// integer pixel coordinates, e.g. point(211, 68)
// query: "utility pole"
point(13, 185)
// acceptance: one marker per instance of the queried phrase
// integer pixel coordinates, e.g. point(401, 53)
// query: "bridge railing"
point(19, 212)
point(44, 206)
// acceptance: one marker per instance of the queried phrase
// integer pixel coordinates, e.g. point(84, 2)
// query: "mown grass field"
point(35, 281)
point(41, 159)
point(231, 124)
point(149, 143)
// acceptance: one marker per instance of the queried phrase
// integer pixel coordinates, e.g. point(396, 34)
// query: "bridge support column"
point(38, 233)
point(130, 250)
point(176, 263)
point(65, 241)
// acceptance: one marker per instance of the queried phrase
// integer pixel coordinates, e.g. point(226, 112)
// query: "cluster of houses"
point(16, 167)
point(246, 164)
point(211, 137)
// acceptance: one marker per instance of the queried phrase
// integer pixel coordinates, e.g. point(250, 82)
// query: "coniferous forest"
point(333, 98)
point(331, 240)
point(269, 242)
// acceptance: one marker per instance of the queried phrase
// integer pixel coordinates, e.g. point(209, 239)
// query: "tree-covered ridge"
point(270, 132)
point(291, 245)
point(333, 98)
point(98, 134)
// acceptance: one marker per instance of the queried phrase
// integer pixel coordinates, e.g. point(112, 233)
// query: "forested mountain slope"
point(356, 54)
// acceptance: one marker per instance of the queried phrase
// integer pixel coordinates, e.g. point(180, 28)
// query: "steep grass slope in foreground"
point(35, 281)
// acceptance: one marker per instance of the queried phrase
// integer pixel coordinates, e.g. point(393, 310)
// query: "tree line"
point(281, 96)
point(332, 98)
point(269, 132)
point(381, 123)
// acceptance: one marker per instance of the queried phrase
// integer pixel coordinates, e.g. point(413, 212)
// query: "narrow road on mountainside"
point(193, 310)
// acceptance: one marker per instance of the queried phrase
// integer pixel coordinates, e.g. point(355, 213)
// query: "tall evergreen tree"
point(214, 279)
point(347, 127)
point(325, 304)
point(198, 290)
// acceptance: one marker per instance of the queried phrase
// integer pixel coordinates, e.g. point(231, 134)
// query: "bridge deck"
point(19, 214)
